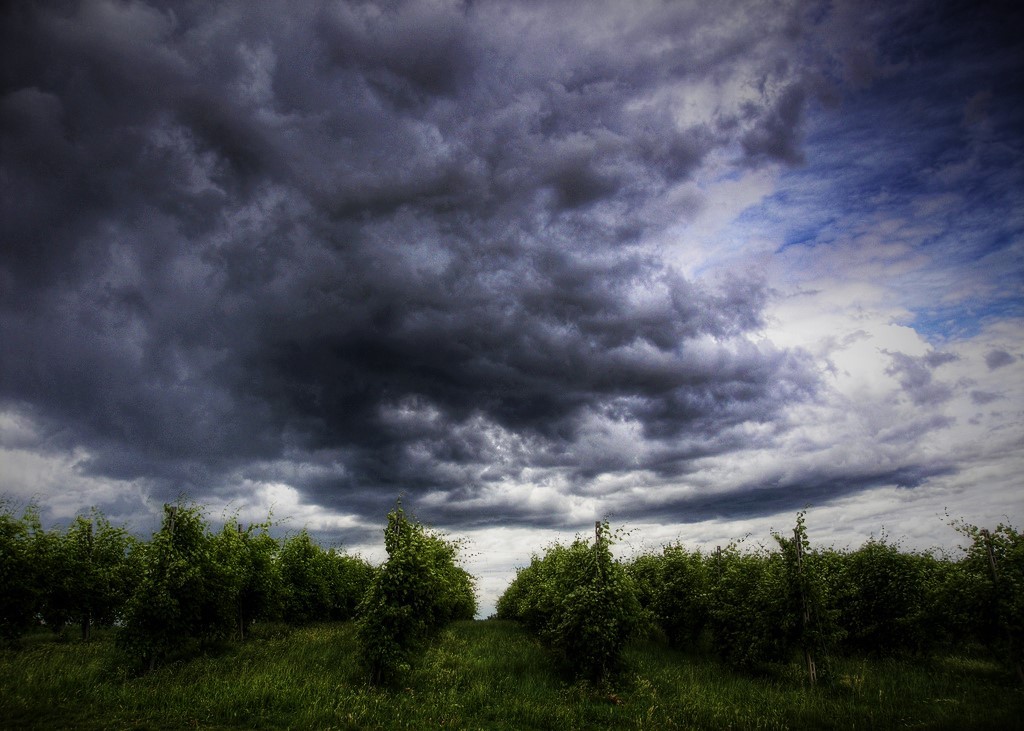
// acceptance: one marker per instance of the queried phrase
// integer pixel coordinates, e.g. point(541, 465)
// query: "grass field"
point(479, 675)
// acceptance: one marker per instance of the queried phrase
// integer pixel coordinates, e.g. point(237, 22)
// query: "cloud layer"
point(522, 262)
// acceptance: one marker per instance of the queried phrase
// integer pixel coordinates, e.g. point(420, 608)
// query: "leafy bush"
point(886, 600)
point(185, 592)
point(580, 602)
point(252, 574)
point(351, 577)
point(21, 578)
point(93, 572)
point(673, 587)
point(83, 575)
point(752, 618)
point(995, 560)
point(320, 585)
point(767, 605)
point(418, 590)
point(306, 580)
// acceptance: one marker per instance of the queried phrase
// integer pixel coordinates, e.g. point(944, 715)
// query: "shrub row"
point(774, 604)
point(81, 576)
point(186, 584)
point(189, 585)
point(756, 608)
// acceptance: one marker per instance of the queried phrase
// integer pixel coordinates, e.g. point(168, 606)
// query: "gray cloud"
point(916, 379)
point(791, 495)
point(983, 397)
point(997, 359)
point(382, 247)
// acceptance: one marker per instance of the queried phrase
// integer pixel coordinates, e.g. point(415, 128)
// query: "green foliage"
point(892, 601)
point(306, 581)
point(319, 585)
point(674, 587)
point(56, 568)
point(580, 602)
point(93, 572)
point(996, 562)
point(82, 575)
point(755, 609)
point(21, 577)
point(250, 571)
point(418, 590)
point(764, 606)
point(351, 577)
point(753, 619)
point(187, 590)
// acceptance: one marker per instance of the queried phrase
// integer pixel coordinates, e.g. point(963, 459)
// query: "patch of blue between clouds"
point(929, 160)
point(943, 324)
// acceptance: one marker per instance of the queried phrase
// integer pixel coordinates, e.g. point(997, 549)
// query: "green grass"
point(480, 675)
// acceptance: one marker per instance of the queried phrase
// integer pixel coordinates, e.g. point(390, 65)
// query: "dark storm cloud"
point(404, 243)
point(788, 496)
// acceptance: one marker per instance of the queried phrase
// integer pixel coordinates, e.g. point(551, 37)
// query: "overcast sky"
point(692, 266)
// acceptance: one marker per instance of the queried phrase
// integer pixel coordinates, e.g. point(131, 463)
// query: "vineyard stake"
point(87, 615)
point(812, 672)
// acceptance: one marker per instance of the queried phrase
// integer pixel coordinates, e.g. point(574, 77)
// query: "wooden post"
point(991, 556)
point(169, 513)
point(597, 532)
point(87, 615)
point(812, 671)
point(241, 609)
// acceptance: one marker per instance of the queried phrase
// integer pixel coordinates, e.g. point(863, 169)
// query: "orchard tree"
point(767, 605)
point(184, 593)
point(306, 572)
point(318, 584)
point(883, 600)
point(20, 571)
point(751, 619)
point(418, 590)
point(247, 559)
point(92, 569)
point(996, 558)
point(580, 602)
point(351, 577)
point(673, 587)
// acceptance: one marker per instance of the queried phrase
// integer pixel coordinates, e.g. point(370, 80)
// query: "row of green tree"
point(754, 608)
point(191, 586)
point(773, 604)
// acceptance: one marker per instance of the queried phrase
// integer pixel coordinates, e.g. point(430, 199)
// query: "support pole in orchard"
point(87, 614)
point(991, 557)
point(599, 538)
point(812, 672)
point(241, 609)
point(170, 511)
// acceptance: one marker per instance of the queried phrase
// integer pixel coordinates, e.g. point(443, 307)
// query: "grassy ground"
point(479, 675)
